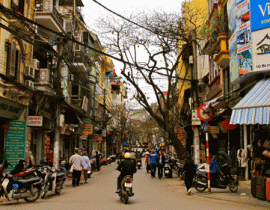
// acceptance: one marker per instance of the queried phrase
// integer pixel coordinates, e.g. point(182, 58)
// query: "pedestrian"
point(190, 169)
point(77, 164)
point(153, 161)
point(161, 163)
point(97, 161)
point(86, 166)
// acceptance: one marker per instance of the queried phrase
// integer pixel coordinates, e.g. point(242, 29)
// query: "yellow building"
point(194, 15)
point(16, 58)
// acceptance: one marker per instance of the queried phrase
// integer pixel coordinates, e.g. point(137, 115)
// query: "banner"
point(15, 143)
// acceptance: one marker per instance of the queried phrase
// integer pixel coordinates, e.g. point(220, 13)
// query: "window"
point(21, 7)
point(13, 60)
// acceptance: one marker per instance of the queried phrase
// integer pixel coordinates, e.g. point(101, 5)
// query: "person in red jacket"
point(147, 161)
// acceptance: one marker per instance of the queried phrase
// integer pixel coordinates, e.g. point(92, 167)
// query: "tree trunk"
point(180, 150)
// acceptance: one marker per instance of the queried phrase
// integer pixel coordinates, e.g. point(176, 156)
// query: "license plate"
point(5, 183)
point(128, 185)
point(166, 171)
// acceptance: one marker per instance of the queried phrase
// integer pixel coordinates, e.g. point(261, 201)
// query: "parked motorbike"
point(50, 175)
point(139, 163)
point(180, 165)
point(126, 189)
point(224, 180)
point(168, 169)
point(20, 184)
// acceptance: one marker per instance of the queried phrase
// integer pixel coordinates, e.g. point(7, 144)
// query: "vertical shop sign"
point(15, 142)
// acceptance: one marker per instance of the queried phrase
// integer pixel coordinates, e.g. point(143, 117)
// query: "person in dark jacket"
point(161, 163)
point(98, 161)
point(190, 169)
point(126, 167)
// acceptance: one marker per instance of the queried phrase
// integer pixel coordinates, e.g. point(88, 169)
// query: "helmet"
point(147, 153)
point(127, 155)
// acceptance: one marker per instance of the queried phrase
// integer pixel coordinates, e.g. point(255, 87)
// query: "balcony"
point(222, 58)
point(214, 88)
point(80, 62)
point(47, 15)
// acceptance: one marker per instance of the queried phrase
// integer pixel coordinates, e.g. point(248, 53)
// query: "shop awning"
point(254, 108)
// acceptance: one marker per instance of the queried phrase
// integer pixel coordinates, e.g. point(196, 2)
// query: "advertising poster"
point(234, 73)
point(261, 49)
point(231, 16)
point(260, 14)
point(240, 45)
point(15, 142)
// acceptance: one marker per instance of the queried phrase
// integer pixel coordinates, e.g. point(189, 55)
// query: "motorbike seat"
point(60, 174)
point(28, 181)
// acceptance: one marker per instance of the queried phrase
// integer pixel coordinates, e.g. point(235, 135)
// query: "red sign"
point(100, 139)
point(205, 114)
point(227, 126)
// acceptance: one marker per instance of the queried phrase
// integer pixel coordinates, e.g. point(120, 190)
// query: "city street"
point(99, 193)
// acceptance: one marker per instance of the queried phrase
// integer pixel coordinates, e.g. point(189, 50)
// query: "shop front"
point(252, 113)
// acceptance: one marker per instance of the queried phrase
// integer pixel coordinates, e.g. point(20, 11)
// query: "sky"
point(92, 11)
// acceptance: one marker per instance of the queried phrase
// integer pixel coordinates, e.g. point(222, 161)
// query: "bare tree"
point(149, 51)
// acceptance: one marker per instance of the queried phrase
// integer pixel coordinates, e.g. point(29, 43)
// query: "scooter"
point(168, 170)
point(23, 184)
point(50, 175)
point(139, 163)
point(126, 189)
point(224, 180)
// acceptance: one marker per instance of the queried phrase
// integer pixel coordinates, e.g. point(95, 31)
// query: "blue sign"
point(205, 127)
point(260, 14)
point(125, 143)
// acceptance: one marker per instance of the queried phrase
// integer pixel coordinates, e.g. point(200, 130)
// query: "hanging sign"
point(227, 126)
point(34, 120)
point(205, 114)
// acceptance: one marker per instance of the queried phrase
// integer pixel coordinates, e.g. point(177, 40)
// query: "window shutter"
point(18, 69)
point(8, 58)
point(13, 59)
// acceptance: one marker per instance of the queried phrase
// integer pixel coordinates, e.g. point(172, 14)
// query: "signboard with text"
point(15, 142)
point(88, 129)
point(34, 121)
point(260, 13)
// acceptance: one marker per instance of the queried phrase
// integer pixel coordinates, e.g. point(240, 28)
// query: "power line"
point(10, 12)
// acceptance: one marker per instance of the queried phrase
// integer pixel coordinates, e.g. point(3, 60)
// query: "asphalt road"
point(150, 193)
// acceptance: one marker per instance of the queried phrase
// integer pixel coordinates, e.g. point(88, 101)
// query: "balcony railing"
point(49, 8)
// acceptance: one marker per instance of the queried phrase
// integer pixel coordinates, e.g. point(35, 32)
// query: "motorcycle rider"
point(126, 167)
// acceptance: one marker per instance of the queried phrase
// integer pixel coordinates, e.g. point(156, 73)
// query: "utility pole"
point(196, 134)
point(105, 123)
point(58, 107)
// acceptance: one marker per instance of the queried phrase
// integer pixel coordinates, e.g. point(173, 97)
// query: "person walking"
point(161, 163)
point(77, 163)
point(98, 161)
point(190, 169)
point(86, 166)
point(153, 161)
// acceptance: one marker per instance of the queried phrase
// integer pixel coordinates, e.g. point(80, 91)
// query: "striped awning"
point(254, 108)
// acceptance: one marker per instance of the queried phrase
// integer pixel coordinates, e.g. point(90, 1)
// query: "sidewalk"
point(243, 195)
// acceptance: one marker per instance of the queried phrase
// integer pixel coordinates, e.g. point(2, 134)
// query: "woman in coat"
point(161, 163)
point(190, 169)
point(86, 166)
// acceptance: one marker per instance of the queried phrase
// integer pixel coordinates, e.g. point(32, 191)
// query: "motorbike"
point(139, 163)
point(49, 174)
point(126, 189)
point(224, 180)
point(168, 169)
point(24, 184)
point(180, 165)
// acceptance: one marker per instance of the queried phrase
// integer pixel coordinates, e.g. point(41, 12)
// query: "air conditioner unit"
point(36, 64)
point(29, 83)
point(29, 72)
point(71, 77)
